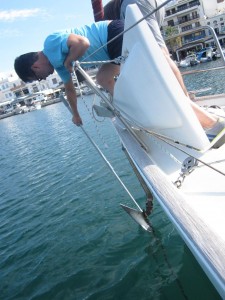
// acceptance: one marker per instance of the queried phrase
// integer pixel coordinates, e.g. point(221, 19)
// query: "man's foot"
point(217, 133)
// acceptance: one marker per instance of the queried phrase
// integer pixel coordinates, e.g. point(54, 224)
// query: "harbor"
point(66, 201)
point(129, 203)
point(15, 109)
point(36, 101)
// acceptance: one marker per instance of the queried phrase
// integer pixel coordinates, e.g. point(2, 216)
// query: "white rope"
point(117, 60)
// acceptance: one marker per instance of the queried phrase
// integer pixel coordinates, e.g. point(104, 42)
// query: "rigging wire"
point(171, 143)
point(104, 158)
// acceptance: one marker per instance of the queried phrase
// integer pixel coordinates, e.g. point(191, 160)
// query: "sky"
point(24, 24)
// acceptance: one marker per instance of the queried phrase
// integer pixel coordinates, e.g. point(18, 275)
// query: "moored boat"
point(190, 60)
point(206, 55)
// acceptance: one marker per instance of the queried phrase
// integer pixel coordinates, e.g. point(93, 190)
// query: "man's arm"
point(72, 98)
point(77, 47)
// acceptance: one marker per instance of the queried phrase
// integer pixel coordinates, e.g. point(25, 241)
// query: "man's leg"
point(206, 120)
point(154, 21)
point(105, 76)
point(212, 125)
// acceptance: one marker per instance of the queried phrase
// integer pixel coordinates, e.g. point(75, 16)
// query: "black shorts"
point(115, 47)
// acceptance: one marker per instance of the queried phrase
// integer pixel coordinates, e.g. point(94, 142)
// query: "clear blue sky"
point(24, 24)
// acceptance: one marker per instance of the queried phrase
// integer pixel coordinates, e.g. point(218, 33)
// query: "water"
point(211, 79)
point(63, 234)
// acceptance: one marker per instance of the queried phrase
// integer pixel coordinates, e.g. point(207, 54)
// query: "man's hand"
point(77, 120)
point(72, 99)
point(69, 66)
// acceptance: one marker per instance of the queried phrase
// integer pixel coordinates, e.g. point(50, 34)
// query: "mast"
point(98, 10)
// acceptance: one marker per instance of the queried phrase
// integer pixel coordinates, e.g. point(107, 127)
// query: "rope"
point(117, 60)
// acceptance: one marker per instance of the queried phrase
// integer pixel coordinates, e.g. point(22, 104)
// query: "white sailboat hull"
point(159, 113)
point(196, 209)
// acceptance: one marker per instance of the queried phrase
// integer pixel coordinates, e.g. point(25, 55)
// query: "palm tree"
point(173, 41)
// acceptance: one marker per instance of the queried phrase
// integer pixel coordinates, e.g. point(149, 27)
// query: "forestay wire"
point(104, 158)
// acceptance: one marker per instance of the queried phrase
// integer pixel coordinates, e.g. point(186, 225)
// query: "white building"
point(53, 80)
point(214, 12)
point(186, 19)
point(6, 84)
point(212, 8)
point(12, 87)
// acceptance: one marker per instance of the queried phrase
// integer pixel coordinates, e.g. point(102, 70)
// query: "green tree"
point(173, 41)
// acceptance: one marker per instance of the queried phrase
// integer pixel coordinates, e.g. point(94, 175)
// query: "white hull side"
point(191, 210)
point(148, 95)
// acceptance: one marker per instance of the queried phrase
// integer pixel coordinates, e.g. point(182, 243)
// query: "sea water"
point(63, 234)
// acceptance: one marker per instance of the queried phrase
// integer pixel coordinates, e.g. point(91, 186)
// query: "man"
point(62, 48)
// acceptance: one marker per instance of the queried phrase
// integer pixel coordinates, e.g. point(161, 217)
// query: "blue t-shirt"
point(56, 49)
